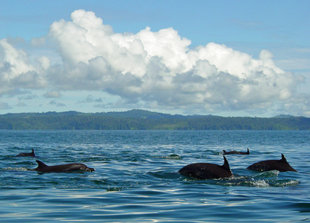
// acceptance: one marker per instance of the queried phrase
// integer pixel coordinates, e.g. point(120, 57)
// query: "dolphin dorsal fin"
point(226, 164)
point(41, 164)
point(283, 158)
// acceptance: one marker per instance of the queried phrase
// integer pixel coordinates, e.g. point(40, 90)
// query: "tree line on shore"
point(145, 120)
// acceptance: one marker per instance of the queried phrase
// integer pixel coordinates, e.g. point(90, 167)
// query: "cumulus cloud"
point(17, 71)
point(159, 68)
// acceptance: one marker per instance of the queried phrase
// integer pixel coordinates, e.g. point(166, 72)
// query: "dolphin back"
point(281, 165)
point(27, 154)
point(226, 164)
point(207, 170)
point(41, 165)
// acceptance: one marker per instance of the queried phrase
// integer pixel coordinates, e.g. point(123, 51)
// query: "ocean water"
point(136, 177)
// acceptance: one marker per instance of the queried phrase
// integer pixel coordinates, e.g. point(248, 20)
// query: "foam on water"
point(14, 169)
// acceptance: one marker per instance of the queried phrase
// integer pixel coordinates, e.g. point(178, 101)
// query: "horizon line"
point(164, 113)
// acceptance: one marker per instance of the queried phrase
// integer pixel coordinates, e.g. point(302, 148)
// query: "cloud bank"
point(156, 68)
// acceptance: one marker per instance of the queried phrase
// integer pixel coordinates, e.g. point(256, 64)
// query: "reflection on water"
point(136, 177)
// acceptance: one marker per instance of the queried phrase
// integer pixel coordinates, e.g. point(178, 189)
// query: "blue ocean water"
point(137, 180)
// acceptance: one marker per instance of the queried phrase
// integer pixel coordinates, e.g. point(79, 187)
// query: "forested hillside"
point(145, 120)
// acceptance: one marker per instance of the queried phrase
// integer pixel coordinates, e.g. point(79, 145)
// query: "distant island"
point(146, 120)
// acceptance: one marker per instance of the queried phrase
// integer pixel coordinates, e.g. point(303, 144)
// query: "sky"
point(225, 57)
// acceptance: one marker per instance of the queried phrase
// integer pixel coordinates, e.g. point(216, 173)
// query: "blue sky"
point(208, 57)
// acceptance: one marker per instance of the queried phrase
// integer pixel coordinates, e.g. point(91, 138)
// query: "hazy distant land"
point(146, 120)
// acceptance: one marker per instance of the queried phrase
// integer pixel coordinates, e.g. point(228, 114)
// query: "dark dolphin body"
point(281, 165)
point(42, 167)
point(207, 170)
point(27, 154)
point(236, 152)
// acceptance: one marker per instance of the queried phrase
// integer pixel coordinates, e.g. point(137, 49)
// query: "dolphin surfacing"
point(281, 165)
point(42, 167)
point(206, 170)
point(236, 152)
point(27, 154)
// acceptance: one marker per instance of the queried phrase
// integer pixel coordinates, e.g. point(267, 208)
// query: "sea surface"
point(136, 177)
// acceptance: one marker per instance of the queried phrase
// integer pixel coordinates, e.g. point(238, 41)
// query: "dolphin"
point(206, 170)
point(236, 152)
point(42, 167)
point(281, 165)
point(27, 154)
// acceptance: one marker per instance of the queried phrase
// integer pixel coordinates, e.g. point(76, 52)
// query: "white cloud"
point(16, 70)
point(158, 68)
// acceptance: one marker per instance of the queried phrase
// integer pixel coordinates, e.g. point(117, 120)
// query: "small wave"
point(171, 157)
point(115, 189)
point(243, 181)
point(249, 181)
point(5, 157)
point(15, 148)
point(303, 207)
point(164, 174)
point(267, 174)
point(95, 159)
point(284, 183)
point(258, 183)
point(14, 169)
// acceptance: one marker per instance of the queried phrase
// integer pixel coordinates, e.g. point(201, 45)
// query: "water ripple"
point(137, 179)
